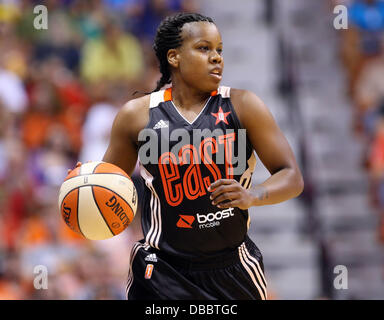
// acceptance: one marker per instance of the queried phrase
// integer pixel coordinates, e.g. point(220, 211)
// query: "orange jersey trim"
point(168, 94)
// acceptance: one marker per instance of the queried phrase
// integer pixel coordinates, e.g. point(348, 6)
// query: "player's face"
point(200, 56)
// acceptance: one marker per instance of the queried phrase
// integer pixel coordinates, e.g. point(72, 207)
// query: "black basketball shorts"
point(154, 275)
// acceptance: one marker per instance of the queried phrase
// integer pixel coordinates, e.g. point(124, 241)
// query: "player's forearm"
point(283, 185)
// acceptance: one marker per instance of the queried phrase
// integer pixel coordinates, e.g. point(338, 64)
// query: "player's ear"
point(173, 57)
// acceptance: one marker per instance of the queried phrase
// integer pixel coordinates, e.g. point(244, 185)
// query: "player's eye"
point(220, 51)
point(204, 48)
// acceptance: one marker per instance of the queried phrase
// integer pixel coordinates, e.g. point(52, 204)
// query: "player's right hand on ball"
point(78, 164)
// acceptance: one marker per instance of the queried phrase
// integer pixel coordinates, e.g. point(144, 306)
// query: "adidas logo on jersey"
point(151, 257)
point(161, 124)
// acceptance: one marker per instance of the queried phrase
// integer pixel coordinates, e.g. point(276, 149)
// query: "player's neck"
point(186, 97)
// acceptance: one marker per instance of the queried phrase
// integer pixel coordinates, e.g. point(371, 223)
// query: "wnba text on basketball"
point(41, 20)
point(341, 280)
point(205, 143)
point(41, 279)
point(341, 20)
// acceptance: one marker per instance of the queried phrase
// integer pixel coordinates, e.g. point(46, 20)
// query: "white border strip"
point(258, 268)
point(134, 250)
point(153, 235)
point(246, 264)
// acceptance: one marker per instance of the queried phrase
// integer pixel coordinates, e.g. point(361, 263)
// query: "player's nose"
point(216, 58)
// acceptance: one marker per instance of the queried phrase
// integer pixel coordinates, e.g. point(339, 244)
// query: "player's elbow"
point(298, 183)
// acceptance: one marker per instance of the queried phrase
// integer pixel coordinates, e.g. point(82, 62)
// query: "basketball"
point(98, 200)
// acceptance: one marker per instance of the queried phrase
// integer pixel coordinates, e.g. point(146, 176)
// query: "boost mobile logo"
point(185, 221)
point(212, 219)
point(205, 220)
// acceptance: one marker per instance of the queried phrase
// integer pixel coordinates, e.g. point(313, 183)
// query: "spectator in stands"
point(368, 93)
point(361, 41)
point(89, 18)
point(12, 92)
point(18, 192)
point(115, 56)
point(45, 98)
point(10, 280)
point(151, 12)
point(369, 101)
point(376, 167)
point(41, 115)
point(98, 124)
point(61, 39)
point(4, 125)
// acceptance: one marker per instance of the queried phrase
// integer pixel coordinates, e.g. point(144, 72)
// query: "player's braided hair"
point(168, 36)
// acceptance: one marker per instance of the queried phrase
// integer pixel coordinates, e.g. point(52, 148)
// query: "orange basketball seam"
point(77, 216)
point(110, 167)
point(103, 194)
point(98, 185)
point(101, 213)
point(94, 169)
point(122, 198)
point(77, 207)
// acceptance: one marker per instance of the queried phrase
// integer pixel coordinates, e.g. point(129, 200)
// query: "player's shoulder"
point(244, 97)
point(136, 106)
point(133, 115)
point(246, 103)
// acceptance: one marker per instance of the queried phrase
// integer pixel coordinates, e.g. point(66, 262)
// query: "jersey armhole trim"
point(156, 98)
point(224, 91)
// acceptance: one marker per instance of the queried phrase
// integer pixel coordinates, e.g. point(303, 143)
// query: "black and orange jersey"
point(179, 160)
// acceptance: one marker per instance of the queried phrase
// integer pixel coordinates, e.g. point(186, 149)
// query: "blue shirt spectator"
point(367, 14)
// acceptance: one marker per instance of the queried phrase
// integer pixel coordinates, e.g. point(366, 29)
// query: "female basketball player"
point(197, 191)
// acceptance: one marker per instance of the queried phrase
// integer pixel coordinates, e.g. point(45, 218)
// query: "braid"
point(168, 37)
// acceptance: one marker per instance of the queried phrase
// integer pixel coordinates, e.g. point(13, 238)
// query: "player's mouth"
point(216, 73)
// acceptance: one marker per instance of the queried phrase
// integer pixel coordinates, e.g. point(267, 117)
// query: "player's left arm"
point(273, 149)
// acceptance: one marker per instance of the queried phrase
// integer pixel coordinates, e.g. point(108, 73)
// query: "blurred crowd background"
point(60, 89)
point(362, 56)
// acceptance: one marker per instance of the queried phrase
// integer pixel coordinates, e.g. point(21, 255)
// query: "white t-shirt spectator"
point(96, 131)
point(12, 92)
